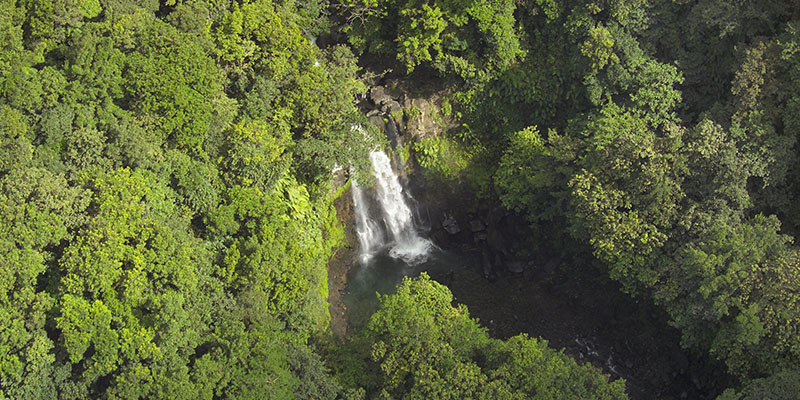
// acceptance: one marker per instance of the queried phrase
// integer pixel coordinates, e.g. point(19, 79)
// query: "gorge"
point(584, 317)
point(363, 200)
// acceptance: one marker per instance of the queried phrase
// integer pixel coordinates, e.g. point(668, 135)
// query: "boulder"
point(477, 225)
point(377, 120)
point(516, 267)
point(384, 101)
point(390, 106)
point(378, 95)
point(450, 224)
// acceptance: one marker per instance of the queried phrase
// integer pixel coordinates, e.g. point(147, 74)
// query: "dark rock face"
point(391, 106)
point(391, 132)
point(476, 225)
point(450, 224)
point(516, 267)
point(376, 120)
point(378, 95)
point(496, 240)
point(488, 270)
point(384, 100)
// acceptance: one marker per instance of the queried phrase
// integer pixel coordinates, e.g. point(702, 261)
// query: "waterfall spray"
point(370, 235)
point(394, 215)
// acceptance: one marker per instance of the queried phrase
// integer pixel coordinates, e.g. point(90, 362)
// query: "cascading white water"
point(370, 235)
point(395, 214)
point(408, 245)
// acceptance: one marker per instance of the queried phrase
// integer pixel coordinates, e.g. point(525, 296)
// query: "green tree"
point(132, 289)
point(533, 174)
point(420, 35)
point(421, 346)
point(170, 81)
point(783, 385)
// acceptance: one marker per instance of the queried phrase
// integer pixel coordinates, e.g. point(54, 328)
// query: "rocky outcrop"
point(450, 224)
point(418, 116)
point(383, 101)
point(406, 116)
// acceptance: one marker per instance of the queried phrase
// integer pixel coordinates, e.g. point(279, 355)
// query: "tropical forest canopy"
point(166, 188)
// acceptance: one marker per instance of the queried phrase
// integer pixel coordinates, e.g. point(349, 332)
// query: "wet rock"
point(391, 124)
point(497, 241)
point(390, 106)
point(378, 95)
point(476, 225)
point(391, 132)
point(488, 271)
point(441, 238)
point(449, 278)
point(377, 120)
point(516, 267)
point(450, 224)
point(480, 237)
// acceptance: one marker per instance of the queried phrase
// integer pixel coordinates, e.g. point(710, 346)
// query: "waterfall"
point(395, 215)
point(370, 235)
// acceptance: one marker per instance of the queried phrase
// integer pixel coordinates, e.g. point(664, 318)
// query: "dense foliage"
point(657, 140)
point(418, 346)
point(166, 207)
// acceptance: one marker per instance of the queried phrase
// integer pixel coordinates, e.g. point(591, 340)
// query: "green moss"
point(411, 113)
point(447, 108)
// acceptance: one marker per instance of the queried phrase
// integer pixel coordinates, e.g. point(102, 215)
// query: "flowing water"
point(389, 223)
point(390, 226)
point(370, 234)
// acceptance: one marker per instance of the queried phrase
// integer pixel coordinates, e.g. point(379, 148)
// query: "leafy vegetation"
point(658, 138)
point(166, 212)
point(166, 224)
point(419, 346)
point(166, 200)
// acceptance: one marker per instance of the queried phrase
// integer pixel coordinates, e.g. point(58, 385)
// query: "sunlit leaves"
point(421, 346)
point(280, 251)
point(420, 35)
point(171, 78)
point(599, 47)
